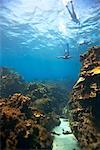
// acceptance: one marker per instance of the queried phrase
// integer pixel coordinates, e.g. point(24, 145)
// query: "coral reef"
point(46, 96)
point(20, 125)
point(10, 82)
point(28, 111)
point(84, 105)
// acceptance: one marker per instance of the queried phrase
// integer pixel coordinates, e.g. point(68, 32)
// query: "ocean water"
point(35, 32)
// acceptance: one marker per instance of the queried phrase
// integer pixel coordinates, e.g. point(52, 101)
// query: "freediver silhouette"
point(66, 53)
point(84, 42)
point(73, 14)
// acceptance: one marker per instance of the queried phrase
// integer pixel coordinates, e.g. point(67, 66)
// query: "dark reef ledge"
point(84, 105)
point(28, 112)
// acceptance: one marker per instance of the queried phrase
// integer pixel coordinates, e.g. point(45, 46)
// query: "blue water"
point(35, 32)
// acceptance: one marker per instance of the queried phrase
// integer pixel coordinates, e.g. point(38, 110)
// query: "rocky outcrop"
point(84, 105)
point(21, 127)
point(28, 112)
point(44, 95)
point(10, 82)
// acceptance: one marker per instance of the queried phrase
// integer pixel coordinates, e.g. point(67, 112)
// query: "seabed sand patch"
point(64, 141)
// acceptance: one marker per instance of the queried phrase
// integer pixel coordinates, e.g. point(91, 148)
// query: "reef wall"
point(84, 105)
point(21, 126)
point(28, 112)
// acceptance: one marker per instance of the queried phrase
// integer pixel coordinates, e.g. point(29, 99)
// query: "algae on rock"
point(84, 105)
point(28, 112)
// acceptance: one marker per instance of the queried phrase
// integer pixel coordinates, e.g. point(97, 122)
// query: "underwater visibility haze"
point(35, 32)
point(45, 47)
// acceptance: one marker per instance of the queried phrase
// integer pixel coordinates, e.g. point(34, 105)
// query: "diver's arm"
point(60, 57)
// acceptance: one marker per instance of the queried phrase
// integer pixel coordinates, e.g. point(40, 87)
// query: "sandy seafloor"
point(64, 142)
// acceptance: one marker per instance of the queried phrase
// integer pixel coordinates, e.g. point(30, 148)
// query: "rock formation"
point(28, 112)
point(10, 82)
point(20, 127)
point(84, 105)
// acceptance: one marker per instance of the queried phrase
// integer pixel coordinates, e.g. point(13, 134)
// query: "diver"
point(66, 53)
point(73, 14)
point(84, 42)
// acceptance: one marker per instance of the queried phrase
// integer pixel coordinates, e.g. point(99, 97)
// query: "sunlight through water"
point(38, 31)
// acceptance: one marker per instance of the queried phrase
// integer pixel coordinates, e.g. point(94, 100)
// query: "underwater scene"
point(50, 75)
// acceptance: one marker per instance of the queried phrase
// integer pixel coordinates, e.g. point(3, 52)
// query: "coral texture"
point(28, 112)
point(20, 126)
point(10, 82)
point(84, 105)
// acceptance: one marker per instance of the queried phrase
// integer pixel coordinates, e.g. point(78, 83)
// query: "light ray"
point(65, 2)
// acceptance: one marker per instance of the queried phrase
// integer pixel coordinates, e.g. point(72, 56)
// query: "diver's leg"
point(73, 11)
point(68, 52)
point(68, 49)
point(69, 11)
